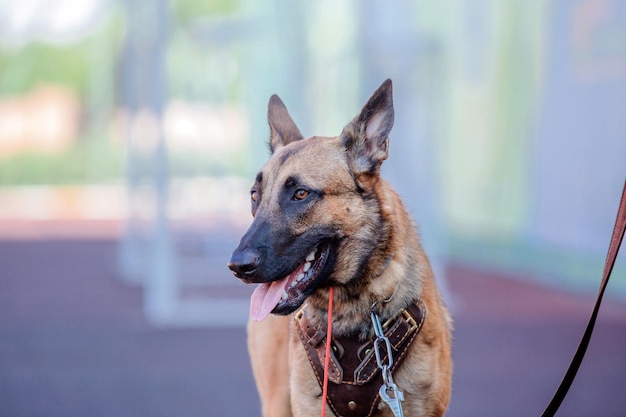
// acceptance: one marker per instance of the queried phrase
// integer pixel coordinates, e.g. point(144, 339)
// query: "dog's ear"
point(366, 137)
point(283, 129)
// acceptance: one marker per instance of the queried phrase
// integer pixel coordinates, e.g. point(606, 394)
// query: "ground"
point(74, 342)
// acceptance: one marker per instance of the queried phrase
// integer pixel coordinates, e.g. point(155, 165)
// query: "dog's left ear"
point(283, 129)
point(366, 137)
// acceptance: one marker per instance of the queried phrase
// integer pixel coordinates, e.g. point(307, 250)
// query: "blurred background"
point(130, 132)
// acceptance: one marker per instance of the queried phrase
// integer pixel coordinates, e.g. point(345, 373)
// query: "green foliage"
point(90, 161)
point(188, 10)
point(71, 65)
point(38, 63)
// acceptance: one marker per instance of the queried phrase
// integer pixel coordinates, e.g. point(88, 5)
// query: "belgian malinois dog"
point(323, 217)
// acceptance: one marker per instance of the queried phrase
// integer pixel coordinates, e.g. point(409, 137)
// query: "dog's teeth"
point(284, 296)
point(311, 256)
point(300, 277)
point(307, 266)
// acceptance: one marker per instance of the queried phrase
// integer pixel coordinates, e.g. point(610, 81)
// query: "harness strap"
point(352, 388)
point(616, 241)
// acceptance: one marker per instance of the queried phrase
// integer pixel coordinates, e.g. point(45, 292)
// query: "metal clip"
point(394, 401)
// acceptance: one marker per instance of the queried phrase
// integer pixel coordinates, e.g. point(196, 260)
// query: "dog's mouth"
point(287, 294)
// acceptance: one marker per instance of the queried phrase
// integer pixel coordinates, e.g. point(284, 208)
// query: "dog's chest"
point(354, 373)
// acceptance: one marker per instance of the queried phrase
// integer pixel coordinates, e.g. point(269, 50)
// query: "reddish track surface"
point(74, 342)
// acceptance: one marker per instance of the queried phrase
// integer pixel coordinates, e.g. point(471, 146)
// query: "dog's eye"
point(300, 194)
point(254, 195)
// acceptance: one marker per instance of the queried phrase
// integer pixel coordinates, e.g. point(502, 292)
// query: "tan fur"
point(362, 208)
point(271, 371)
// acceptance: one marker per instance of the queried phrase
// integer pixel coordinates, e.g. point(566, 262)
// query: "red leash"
point(329, 332)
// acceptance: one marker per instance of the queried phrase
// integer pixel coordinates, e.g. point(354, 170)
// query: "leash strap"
point(616, 241)
point(329, 331)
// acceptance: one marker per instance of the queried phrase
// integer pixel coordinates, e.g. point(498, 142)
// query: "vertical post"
point(147, 172)
point(160, 297)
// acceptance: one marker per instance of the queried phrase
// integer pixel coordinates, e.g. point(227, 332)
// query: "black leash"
point(616, 241)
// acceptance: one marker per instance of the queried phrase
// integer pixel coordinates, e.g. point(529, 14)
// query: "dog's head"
point(318, 216)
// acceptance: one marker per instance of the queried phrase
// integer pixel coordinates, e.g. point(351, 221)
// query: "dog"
point(324, 217)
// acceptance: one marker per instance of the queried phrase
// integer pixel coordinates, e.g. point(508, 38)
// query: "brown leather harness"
point(352, 389)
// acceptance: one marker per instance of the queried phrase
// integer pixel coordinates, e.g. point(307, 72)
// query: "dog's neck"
point(390, 290)
point(385, 265)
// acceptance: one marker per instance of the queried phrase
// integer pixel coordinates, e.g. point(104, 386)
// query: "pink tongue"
point(265, 297)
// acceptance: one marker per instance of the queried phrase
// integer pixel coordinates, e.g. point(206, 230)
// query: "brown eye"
point(254, 195)
point(300, 194)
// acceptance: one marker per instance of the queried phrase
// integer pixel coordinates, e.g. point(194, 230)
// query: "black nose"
point(244, 263)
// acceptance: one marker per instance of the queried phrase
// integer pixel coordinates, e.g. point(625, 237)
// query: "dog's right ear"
point(283, 129)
